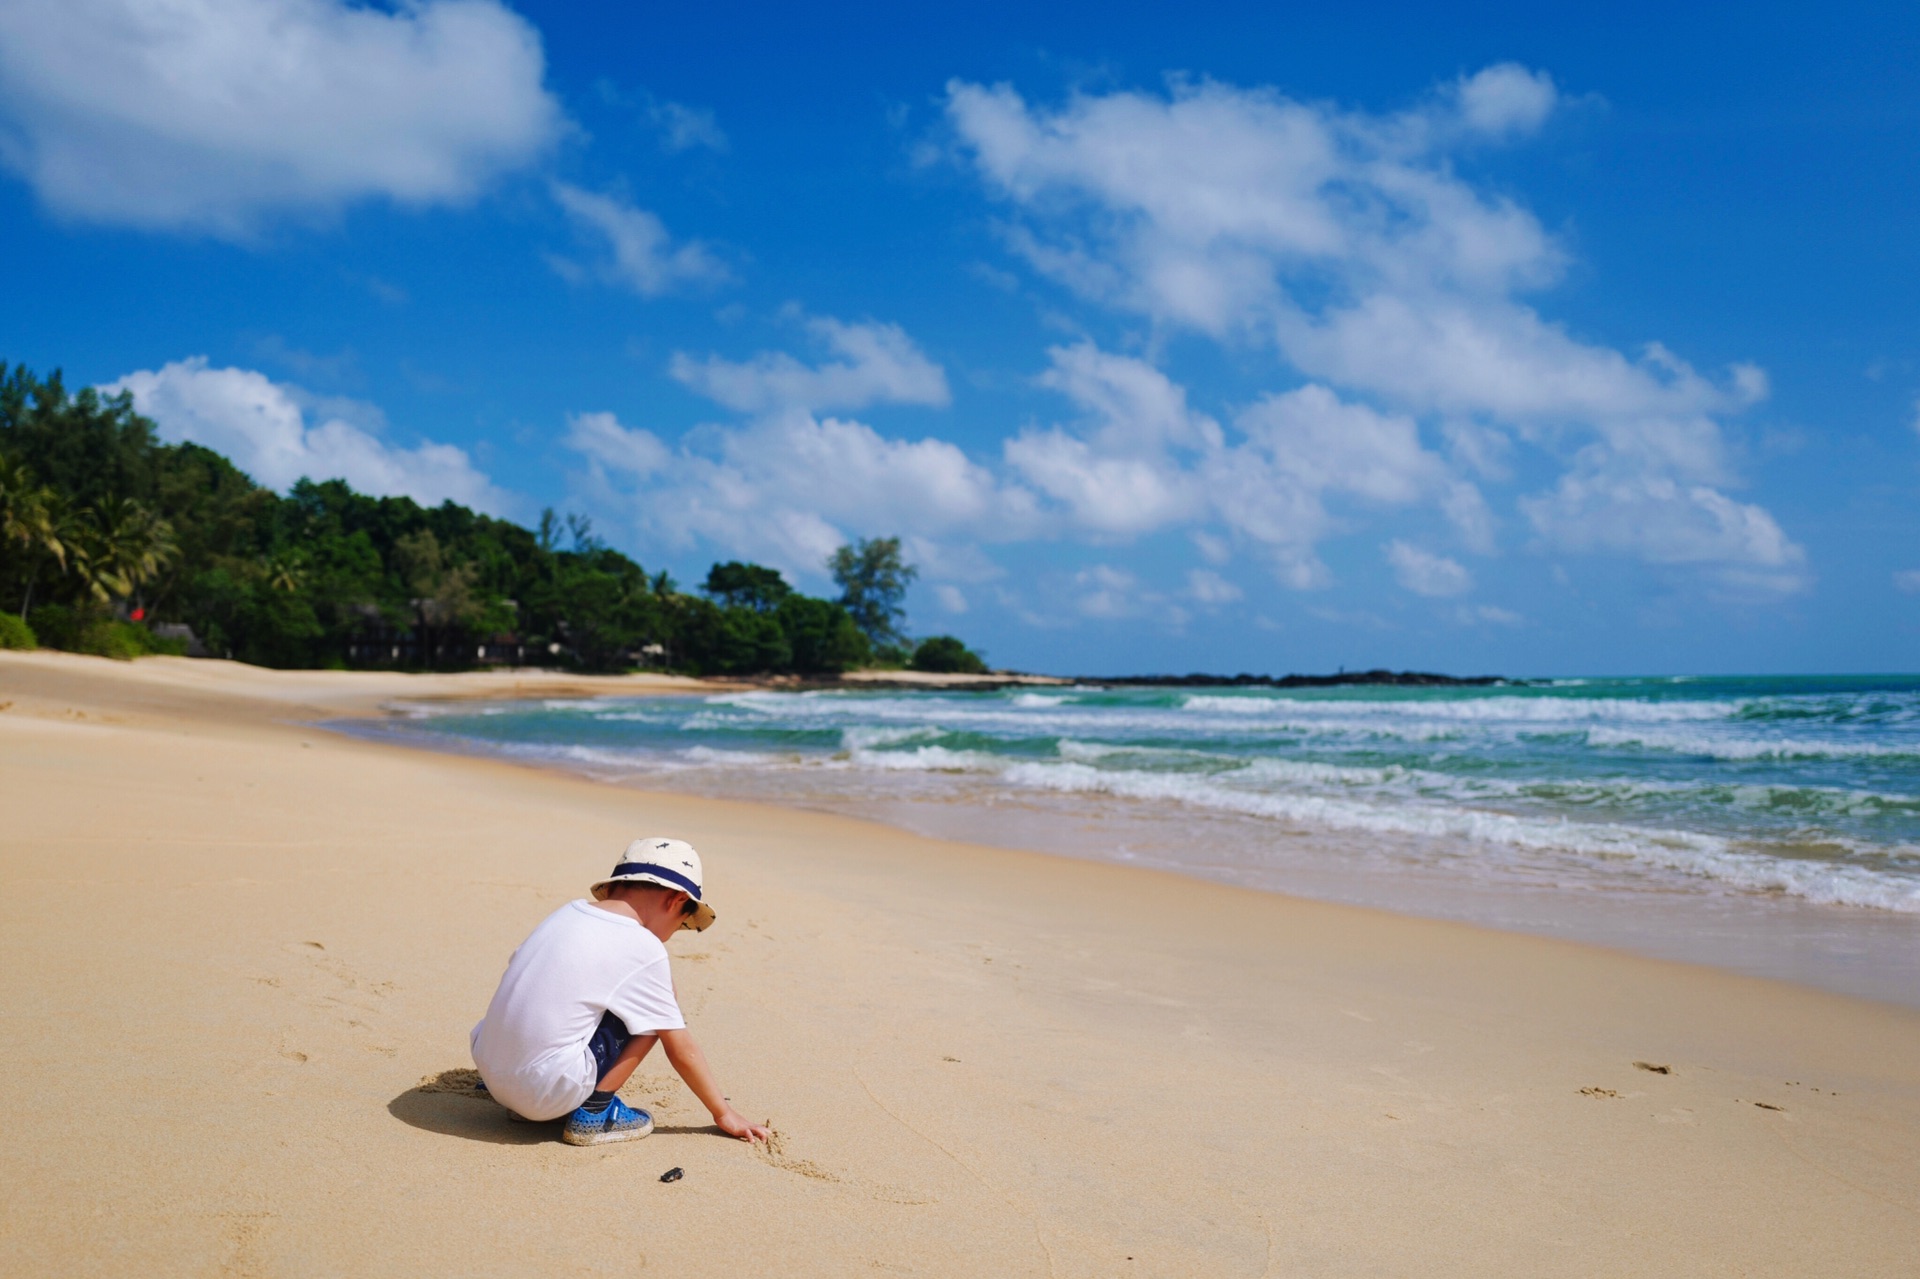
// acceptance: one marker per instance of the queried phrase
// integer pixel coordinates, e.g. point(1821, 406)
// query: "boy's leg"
point(603, 1117)
point(622, 1067)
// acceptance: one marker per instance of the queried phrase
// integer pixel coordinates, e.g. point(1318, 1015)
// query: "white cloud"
point(1487, 615)
point(1142, 459)
point(1670, 523)
point(1106, 593)
point(1506, 98)
point(1103, 493)
point(1484, 450)
point(1199, 206)
point(1907, 581)
point(1353, 245)
point(1208, 587)
point(1116, 474)
point(682, 127)
point(1302, 447)
point(1425, 573)
point(951, 598)
point(212, 115)
point(790, 487)
point(1136, 408)
point(790, 484)
point(878, 364)
point(1214, 550)
point(629, 451)
point(271, 432)
point(639, 252)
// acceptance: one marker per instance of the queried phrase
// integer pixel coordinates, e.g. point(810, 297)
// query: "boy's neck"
point(664, 926)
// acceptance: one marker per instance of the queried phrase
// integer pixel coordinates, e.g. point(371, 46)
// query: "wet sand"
point(233, 947)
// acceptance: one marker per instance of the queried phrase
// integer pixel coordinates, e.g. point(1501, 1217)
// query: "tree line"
point(113, 542)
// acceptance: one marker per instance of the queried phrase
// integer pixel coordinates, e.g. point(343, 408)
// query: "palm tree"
point(38, 519)
point(125, 547)
point(286, 571)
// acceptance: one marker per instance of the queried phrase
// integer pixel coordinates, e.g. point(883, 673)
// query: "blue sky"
point(1518, 339)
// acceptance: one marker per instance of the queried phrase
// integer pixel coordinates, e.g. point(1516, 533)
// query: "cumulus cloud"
point(210, 115)
point(637, 251)
point(1106, 593)
point(1200, 206)
point(877, 364)
point(1115, 473)
point(683, 128)
point(1666, 522)
point(1504, 99)
point(272, 432)
point(1487, 615)
point(1425, 573)
point(1133, 459)
point(625, 450)
point(788, 482)
point(1140, 459)
point(790, 487)
point(1352, 244)
point(1302, 447)
point(1208, 587)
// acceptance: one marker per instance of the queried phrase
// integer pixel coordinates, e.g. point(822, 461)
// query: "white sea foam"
point(861, 737)
point(1510, 710)
point(1250, 791)
point(1688, 853)
point(732, 758)
point(1729, 746)
point(931, 759)
point(1793, 793)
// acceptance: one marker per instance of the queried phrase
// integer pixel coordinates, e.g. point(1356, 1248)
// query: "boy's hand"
point(687, 1058)
point(734, 1125)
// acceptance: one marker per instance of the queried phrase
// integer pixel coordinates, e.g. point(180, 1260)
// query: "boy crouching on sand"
point(588, 994)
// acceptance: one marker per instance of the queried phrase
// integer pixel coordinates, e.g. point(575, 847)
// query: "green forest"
point(114, 543)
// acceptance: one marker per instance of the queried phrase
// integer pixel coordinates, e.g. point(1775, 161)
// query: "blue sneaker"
point(618, 1122)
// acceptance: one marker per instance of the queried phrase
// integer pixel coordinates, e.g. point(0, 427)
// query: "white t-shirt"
point(581, 962)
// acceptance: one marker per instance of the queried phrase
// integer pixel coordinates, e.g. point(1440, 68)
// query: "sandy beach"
point(234, 947)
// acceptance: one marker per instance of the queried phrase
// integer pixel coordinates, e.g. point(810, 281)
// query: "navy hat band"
point(661, 872)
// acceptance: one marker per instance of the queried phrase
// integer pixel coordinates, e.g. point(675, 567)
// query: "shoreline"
point(1857, 950)
point(1811, 945)
point(979, 1060)
point(314, 698)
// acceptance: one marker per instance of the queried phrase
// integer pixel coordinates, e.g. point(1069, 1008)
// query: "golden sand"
point(239, 958)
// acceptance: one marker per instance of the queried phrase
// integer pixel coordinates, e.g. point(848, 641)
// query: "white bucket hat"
point(670, 863)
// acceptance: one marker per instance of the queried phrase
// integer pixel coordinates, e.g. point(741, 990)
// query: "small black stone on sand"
point(672, 1174)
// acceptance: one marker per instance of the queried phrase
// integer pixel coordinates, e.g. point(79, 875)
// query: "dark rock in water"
point(1411, 679)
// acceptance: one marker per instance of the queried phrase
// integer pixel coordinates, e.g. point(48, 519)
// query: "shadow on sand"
point(452, 1104)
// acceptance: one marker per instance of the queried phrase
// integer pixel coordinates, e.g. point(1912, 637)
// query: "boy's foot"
point(618, 1122)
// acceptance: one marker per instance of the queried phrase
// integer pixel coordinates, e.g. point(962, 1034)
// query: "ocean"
point(1768, 824)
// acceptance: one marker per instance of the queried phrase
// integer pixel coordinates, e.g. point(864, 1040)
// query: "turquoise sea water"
point(1696, 799)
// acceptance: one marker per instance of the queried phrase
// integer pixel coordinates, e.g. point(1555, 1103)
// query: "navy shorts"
point(610, 1039)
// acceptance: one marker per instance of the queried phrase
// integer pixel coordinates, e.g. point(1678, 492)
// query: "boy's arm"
point(692, 1066)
